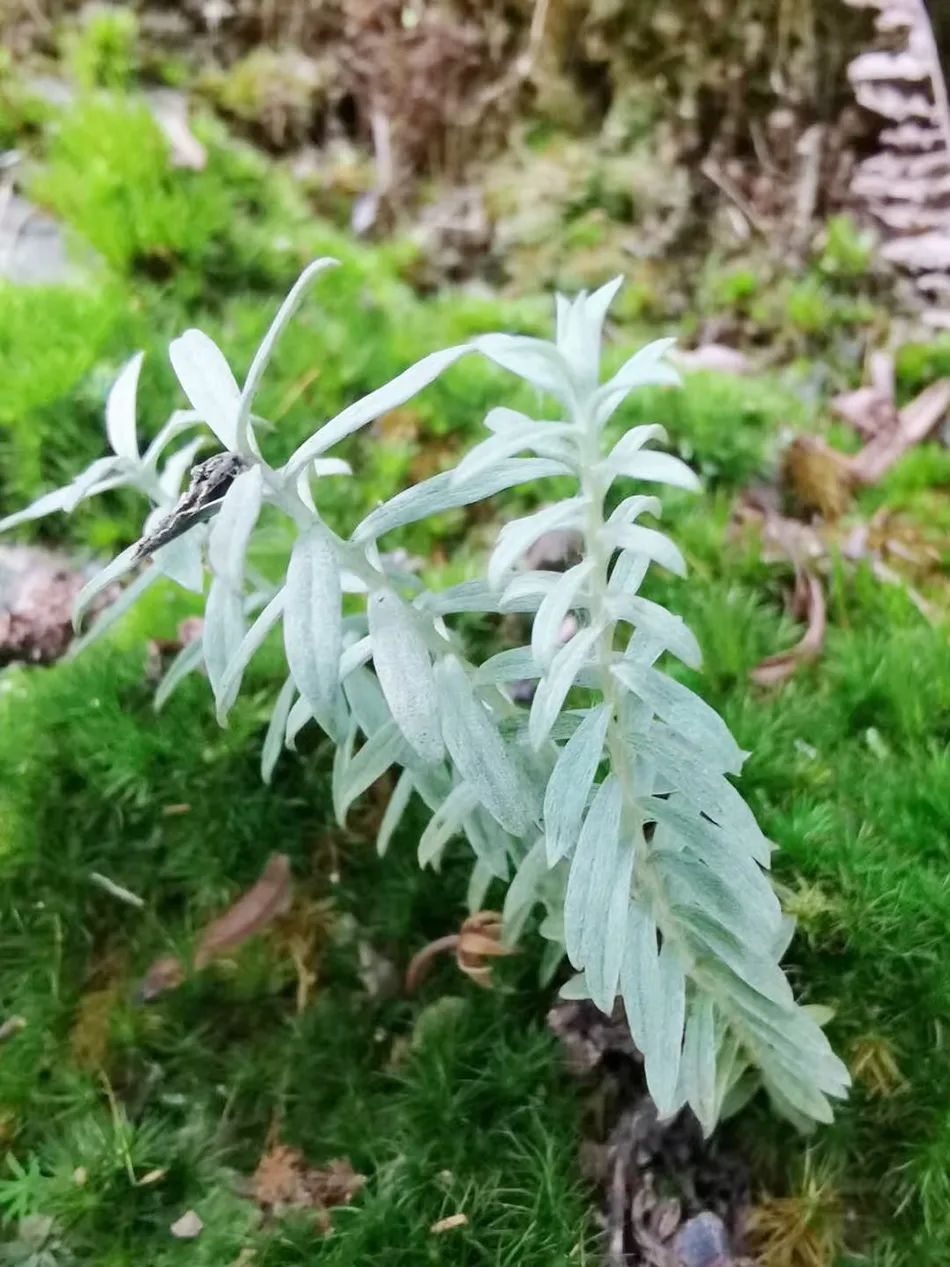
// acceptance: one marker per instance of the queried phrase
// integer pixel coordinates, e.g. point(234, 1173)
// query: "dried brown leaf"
point(866, 409)
point(810, 599)
point(250, 914)
point(478, 939)
point(166, 973)
point(284, 1181)
point(914, 423)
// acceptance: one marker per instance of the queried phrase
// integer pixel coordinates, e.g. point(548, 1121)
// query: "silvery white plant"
point(616, 816)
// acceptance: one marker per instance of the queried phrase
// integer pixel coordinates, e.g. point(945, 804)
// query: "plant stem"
point(594, 492)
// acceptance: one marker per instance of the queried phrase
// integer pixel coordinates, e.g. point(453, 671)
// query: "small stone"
point(703, 1242)
point(32, 246)
point(187, 1227)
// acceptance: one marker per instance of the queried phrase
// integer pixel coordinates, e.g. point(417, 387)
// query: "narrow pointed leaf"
point(182, 559)
point(480, 754)
point(395, 808)
point(188, 660)
point(223, 629)
point(645, 368)
point(395, 393)
point(665, 1015)
point(594, 914)
point(523, 891)
point(250, 644)
point(405, 673)
point(111, 615)
point(656, 468)
point(120, 410)
point(553, 688)
point(233, 525)
point(467, 596)
point(534, 360)
point(387, 747)
point(207, 381)
point(545, 439)
point(440, 493)
point(639, 972)
point(698, 1069)
point(266, 350)
point(652, 619)
point(570, 783)
point(517, 536)
point(313, 622)
point(649, 542)
point(685, 712)
point(549, 621)
point(276, 728)
point(510, 665)
point(121, 564)
point(445, 823)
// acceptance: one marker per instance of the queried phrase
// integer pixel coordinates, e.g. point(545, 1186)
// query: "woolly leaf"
point(395, 808)
point(313, 629)
point(266, 349)
point(207, 381)
point(656, 468)
point(352, 776)
point(480, 753)
point(445, 823)
point(652, 619)
point(405, 673)
point(598, 893)
point(517, 536)
point(553, 688)
point(276, 729)
point(395, 393)
point(549, 621)
point(120, 410)
point(684, 712)
point(440, 493)
point(698, 1067)
point(250, 644)
point(569, 786)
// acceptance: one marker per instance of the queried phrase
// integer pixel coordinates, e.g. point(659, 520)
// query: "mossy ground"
point(455, 1100)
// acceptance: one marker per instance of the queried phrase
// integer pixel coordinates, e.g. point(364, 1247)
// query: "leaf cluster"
point(608, 802)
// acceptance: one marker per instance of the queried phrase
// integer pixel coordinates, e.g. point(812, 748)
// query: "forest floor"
point(118, 1117)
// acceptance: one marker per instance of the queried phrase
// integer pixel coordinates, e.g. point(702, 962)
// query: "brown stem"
point(419, 964)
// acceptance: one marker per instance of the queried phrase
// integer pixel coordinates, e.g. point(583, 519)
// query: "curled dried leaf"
point(252, 912)
point(166, 973)
point(809, 600)
point(478, 939)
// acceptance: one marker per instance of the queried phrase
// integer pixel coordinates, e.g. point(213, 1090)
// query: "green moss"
point(102, 51)
point(475, 1115)
point(109, 174)
point(847, 250)
point(50, 339)
point(849, 773)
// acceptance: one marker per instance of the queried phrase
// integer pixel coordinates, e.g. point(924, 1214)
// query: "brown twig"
point(419, 964)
